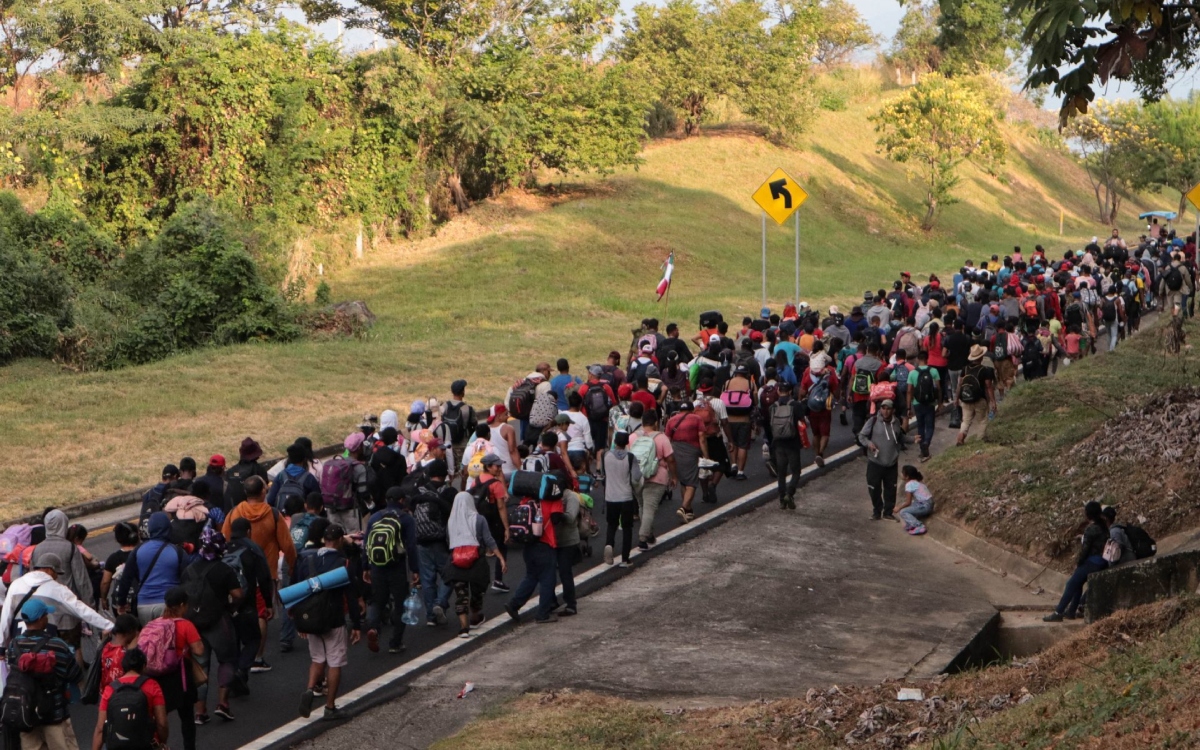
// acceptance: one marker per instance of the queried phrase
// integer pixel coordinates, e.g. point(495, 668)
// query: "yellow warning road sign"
point(780, 196)
point(1193, 196)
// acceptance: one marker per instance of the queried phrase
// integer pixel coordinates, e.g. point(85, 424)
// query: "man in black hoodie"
point(257, 598)
point(247, 466)
point(214, 479)
point(389, 466)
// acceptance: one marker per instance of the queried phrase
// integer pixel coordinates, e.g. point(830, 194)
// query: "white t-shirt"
point(717, 406)
point(579, 433)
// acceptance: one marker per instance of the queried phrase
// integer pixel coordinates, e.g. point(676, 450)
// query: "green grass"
point(527, 278)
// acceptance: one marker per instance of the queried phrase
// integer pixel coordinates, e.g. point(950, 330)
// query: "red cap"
point(905, 275)
point(217, 460)
point(756, 335)
point(624, 391)
point(935, 284)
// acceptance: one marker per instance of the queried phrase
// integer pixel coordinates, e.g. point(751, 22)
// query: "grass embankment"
point(1127, 681)
point(533, 277)
point(1099, 430)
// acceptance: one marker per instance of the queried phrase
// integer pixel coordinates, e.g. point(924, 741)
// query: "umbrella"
point(1168, 215)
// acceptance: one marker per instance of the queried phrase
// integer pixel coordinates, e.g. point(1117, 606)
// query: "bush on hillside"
point(35, 298)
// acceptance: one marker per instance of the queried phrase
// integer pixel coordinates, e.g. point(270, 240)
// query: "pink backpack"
point(337, 484)
point(157, 642)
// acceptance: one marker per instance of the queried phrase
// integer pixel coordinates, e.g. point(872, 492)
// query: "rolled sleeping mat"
point(298, 592)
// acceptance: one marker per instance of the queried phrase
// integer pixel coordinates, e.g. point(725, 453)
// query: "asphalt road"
point(274, 697)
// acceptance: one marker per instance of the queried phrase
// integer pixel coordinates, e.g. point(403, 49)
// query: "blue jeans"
point(1114, 329)
point(287, 626)
point(541, 568)
point(925, 414)
point(1074, 589)
point(432, 558)
point(913, 514)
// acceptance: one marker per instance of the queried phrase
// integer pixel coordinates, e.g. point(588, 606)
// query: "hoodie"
point(155, 567)
point(267, 528)
point(76, 578)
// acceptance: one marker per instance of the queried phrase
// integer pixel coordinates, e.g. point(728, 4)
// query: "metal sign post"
point(779, 198)
point(764, 259)
point(797, 258)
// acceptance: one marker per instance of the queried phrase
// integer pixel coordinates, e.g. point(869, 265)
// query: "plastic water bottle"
point(414, 610)
point(537, 529)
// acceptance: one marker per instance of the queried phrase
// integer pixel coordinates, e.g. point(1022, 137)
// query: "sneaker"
point(286, 647)
point(332, 714)
point(512, 612)
point(890, 517)
point(464, 633)
point(624, 564)
point(652, 539)
point(643, 546)
point(791, 502)
point(568, 612)
point(202, 719)
point(439, 614)
point(319, 690)
point(260, 666)
point(306, 701)
point(741, 476)
point(478, 619)
point(431, 623)
point(842, 419)
point(1053, 617)
point(397, 649)
point(500, 586)
point(373, 640)
point(683, 515)
point(820, 461)
point(223, 712)
point(547, 620)
point(608, 554)
point(875, 517)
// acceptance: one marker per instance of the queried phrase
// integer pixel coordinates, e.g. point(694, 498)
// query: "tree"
point(840, 29)
point(933, 127)
point(690, 55)
point(1075, 44)
point(914, 47)
point(1172, 158)
point(974, 35)
point(1112, 142)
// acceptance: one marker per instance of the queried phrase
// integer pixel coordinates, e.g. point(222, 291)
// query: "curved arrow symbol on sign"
point(778, 188)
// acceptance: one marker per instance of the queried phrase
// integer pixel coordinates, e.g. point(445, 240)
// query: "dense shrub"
point(35, 298)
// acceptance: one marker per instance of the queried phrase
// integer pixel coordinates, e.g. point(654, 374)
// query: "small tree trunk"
point(1101, 203)
point(456, 192)
point(931, 204)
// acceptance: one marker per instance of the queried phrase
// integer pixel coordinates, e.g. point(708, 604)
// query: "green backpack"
point(385, 541)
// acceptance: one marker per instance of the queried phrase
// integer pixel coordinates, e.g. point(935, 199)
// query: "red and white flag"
point(668, 267)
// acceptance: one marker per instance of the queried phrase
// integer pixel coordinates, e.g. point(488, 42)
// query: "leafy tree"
point(933, 127)
point(1171, 158)
point(974, 35)
point(840, 29)
point(691, 55)
point(914, 47)
point(1112, 141)
point(1074, 45)
point(35, 299)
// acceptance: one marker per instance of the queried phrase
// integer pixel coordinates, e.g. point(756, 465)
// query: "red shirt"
point(152, 690)
point(549, 507)
point(110, 663)
point(646, 399)
point(612, 397)
point(185, 635)
point(685, 428)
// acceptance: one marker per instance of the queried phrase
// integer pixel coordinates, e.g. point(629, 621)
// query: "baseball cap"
point(624, 391)
point(492, 459)
point(35, 609)
point(496, 412)
point(51, 561)
point(888, 403)
point(217, 460)
point(170, 470)
point(764, 313)
point(458, 386)
point(833, 310)
point(714, 339)
point(756, 336)
point(353, 441)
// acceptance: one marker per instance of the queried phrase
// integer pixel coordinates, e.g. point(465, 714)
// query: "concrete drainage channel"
point(1011, 634)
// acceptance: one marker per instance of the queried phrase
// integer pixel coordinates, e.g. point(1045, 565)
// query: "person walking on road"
point(685, 430)
point(153, 569)
point(255, 605)
point(53, 730)
point(883, 437)
point(329, 650)
point(391, 546)
point(212, 587)
point(976, 393)
point(471, 543)
point(622, 476)
point(660, 480)
point(786, 416)
point(924, 392)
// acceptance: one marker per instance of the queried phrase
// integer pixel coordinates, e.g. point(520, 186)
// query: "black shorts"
point(599, 433)
point(741, 434)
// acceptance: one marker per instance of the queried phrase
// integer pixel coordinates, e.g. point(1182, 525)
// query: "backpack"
point(608, 375)
point(205, 607)
point(292, 487)
point(520, 402)
point(646, 453)
point(20, 702)
point(1174, 278)
point(596, 403)
point(315, 614)
point(1143, 544)
point(783, 426)
point(385, 541)
point(818, 394)
point(456, 419)
point(486, 508)
point(926, 390)
point(299, 529)
point(545, 409)
point(1108, 311)
point(529, 484)
point(863, 380)
point(768, 396)
point(431, 527)
point(337, 484)
point(157, 641)
point(234, 477)
point(233, 558)
point(536, 462)
point(737, 403)
point(1031, 357)
point(129, 724)
point(910, 343)
point(1000, 350)
point(522, 521)
point(972, 387)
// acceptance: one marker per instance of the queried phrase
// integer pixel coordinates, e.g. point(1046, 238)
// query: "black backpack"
point(292, 487)
point(1143, 544)
point(486, 508)
point(431, 527)
point(1174, 278)
point(597, 403)
point(26, 701)
point(456, 419)
point(972, 385)
point(926, 391)
point(234, 477)
point(129, 724)
point(315, 614)
point(384, 544)
point(1108, 310)
point(234, 559)
point(520, 403)
point(205, 607)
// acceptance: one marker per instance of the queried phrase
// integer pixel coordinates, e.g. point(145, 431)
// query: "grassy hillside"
point(565, 272)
